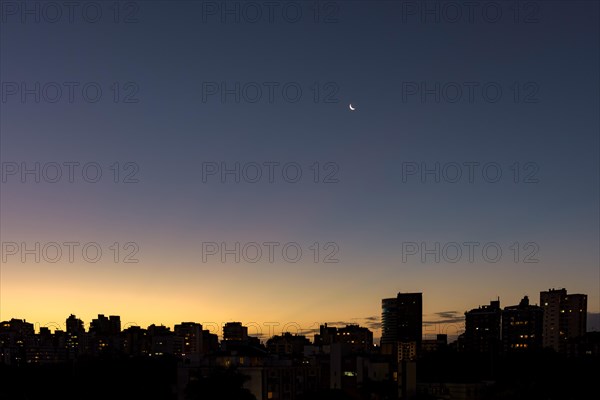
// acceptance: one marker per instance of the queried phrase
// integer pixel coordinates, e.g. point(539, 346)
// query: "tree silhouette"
point(327, 394)
point(219, 383)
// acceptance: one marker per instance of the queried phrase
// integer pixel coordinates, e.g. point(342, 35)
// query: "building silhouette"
point(106, 326)
point(401, 337)
point(76, 338)
point(235, 335)
point(235, 331)
point(103, 335)
point(389, 323)
point(191, 334)
point(74, 325)
point(357, 338)
point(482, 329)
point(434, 345)
point(402, 325)
point(135, 341)
point(163, 341)
point(522, 327)
point(16, 336)
point(564, 317)
point(341, 360)
point(287, 344)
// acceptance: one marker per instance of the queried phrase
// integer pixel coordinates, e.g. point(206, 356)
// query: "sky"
point(141, 142)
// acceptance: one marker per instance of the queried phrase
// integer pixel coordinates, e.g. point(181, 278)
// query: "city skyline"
point(496, 344)
point(452, 324)
point(468, 169)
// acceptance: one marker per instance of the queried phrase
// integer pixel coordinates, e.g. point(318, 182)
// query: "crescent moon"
point(351, 108)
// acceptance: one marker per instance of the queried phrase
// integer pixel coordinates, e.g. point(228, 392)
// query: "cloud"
point(373, 322)
point(372, 319)
point(339, 323)
point(445, 317)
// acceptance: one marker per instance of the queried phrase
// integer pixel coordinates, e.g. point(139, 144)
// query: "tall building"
point(191, 333)
point(522, 327)
point(106, 326)
point(74, 325)
point(402, 323)
point(389, 321)
point(135, 341)
point(15, 336)
point(482, 328)
point(75, 337)
point(163, 341)
point(564, 317)
point(104, 334)
point(235, 334)
point(235, 331)
point(210, 342)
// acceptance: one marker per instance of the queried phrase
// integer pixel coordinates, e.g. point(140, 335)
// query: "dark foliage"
point(219, 383)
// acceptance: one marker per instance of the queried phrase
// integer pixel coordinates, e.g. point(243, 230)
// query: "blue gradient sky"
point(368, 53)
